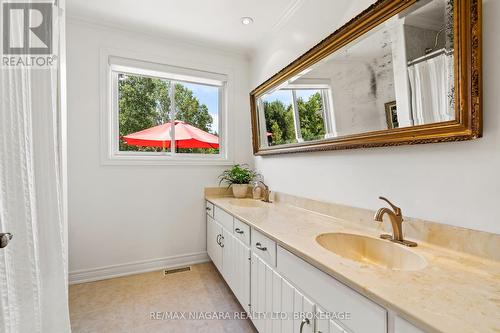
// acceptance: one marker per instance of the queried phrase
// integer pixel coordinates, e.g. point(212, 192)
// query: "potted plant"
point(238, 177)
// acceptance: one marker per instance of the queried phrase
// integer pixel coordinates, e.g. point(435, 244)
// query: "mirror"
point(379, 80)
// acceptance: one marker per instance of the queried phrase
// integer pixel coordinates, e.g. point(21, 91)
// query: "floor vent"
point(176, 270)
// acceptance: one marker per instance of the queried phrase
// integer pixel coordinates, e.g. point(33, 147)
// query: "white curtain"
point(33, 268)
point(431, 85)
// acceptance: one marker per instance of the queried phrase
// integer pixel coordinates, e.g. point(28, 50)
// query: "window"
point(296, 114)
point(163, 113)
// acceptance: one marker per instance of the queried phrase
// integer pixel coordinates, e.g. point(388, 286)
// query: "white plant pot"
point(240, 190)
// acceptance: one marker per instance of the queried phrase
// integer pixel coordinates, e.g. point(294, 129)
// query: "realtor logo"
point(27, 34)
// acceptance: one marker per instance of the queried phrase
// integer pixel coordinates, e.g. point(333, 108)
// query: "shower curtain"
point(33, 268)
point(431, 85)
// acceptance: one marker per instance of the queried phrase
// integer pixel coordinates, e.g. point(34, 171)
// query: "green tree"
point(276, 133)
point(312, 126)
point(190, 110)
point(279, 122)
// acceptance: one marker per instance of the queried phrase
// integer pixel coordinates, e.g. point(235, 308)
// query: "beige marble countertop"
point(454, 293)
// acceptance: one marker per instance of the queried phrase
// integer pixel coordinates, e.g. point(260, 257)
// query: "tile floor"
point(124, 304)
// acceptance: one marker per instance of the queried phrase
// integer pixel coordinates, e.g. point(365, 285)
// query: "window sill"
point(164, 160)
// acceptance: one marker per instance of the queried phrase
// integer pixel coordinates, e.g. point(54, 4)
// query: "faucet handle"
point(396, 209)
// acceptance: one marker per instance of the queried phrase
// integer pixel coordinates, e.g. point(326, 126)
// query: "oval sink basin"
point(250, 203)
point(373, 251)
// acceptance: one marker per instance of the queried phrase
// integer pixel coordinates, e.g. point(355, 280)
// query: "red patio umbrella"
point(186, 136)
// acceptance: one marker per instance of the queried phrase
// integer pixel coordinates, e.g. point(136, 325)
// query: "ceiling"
point(427, 14)
point(216, 22)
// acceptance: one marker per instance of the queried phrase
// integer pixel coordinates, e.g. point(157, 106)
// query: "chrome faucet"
point(265, 190)
point(396, 218)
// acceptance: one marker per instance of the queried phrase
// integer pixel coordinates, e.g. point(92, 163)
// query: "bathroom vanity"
point(273, 260)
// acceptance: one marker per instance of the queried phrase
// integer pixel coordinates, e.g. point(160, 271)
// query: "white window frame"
point(114, 62)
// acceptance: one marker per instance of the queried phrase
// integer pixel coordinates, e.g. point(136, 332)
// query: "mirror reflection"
point(399, 74)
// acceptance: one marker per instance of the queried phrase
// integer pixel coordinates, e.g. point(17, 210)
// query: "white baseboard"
point(108, 272)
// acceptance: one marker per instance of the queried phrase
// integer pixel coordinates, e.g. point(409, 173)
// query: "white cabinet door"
point(214, 235)
point(273, 296)
point(232, 259)
point(258, 292)
point(303, 310)
point(287, 305)
point(297, 308)
point(241, 274)
point(236, 259)
point(277, 301)
point(227, 242)
point(265, 286)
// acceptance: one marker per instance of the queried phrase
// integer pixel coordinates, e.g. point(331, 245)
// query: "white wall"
point(452, 183)
point(123, 214)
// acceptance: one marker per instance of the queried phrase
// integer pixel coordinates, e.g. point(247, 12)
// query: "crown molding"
point(177, 39)
point(289, 11)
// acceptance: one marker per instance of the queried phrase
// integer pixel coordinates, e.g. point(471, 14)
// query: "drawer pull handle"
point(218, 239)
point(304, 322)
point(260, 247)
point(208, 209)
point(238, 231)
point(221, 239)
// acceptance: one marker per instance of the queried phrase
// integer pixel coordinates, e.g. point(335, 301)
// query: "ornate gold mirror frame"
point(468, 85)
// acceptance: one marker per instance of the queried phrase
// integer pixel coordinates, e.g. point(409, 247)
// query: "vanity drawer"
point(332, 295)
point(264, 247)
point(210, 208)
point(242, 231)
point(223, 218)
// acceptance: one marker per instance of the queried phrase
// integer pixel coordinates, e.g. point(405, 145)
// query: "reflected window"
point(296, 114)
